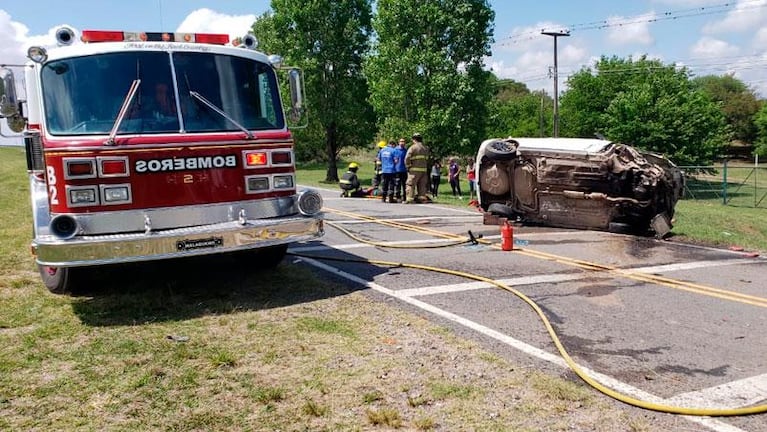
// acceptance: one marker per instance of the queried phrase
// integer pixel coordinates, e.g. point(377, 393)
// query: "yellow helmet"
point(353, 165)
point(381, 144)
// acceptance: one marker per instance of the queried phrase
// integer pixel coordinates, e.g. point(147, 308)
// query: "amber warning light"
point(255, 159)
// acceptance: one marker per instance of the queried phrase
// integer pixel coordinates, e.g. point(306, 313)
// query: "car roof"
point(589, 145)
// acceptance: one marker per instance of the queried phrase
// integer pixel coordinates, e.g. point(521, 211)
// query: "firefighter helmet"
point(353, 166)
point(381, 144)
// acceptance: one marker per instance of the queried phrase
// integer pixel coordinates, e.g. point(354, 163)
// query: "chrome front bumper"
point(175, 243)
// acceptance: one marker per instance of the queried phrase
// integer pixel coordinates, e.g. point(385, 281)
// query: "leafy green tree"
point(426, 72)
point(328, 39)
point(760, 120)
point(516, 111)
point(645, 103)
point(737, 101)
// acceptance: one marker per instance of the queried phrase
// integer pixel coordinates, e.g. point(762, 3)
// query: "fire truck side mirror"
point(9, 105)
point(296, 114)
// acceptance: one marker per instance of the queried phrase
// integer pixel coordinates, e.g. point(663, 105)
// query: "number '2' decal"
point(52, 191)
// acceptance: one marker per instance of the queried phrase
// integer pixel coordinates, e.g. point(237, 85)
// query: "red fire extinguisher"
point(507, 236)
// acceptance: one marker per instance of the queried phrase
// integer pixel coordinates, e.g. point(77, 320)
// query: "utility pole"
point(555, 35)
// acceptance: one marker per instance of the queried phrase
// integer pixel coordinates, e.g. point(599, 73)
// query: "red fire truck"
point(148, 146)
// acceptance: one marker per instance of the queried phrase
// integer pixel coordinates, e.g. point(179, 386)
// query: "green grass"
point(715, 224)
point(315, 174)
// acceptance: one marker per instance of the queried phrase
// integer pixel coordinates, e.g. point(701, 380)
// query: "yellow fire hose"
point(713, 412)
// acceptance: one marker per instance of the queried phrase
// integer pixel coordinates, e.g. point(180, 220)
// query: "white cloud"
point(528, 38)
point(525, 55)
point(708, 47)
point(760, 39)
point(747, 15)
point(630, 30)
point(209, 21)
point(13, 36)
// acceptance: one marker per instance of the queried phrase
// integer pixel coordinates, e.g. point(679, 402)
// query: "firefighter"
point(350, 184)
point(377, 170)
point(417, 161)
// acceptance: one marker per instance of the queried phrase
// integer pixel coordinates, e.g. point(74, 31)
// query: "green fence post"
point(724, 183)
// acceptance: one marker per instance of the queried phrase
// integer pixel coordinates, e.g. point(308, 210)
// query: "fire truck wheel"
point(58, 280)
point(268, 257)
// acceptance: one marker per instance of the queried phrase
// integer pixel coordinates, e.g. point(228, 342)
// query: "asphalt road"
point(660, 321)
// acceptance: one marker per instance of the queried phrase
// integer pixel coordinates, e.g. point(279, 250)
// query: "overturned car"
point(578, 183)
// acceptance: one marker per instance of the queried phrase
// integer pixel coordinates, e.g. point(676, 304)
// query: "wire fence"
point(732, 183)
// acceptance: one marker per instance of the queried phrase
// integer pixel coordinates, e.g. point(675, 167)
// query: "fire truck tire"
point(58, 280)
point(268, 257)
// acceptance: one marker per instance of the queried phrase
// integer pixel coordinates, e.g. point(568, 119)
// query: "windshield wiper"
point(123, 110)
point(219, 111)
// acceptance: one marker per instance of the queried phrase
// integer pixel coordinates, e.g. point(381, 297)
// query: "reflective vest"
point(349, 181)
point(417, 158)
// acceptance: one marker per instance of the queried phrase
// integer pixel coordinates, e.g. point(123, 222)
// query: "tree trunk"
point(331, 147)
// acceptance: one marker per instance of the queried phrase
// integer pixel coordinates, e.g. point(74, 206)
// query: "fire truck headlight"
point(82, 196)
point(37, 54)
point(283, 182)
point(116, 194)
point(309, 202)
point(257, 184)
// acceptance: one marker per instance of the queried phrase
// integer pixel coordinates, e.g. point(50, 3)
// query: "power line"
point(639, 19)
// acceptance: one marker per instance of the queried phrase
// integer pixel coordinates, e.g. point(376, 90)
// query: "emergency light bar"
point(90, 36)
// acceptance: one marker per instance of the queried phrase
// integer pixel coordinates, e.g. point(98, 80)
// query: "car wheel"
point(502, 150)
point(620, 228)
point(502, 210)
point(58, 280)
point(268, 257)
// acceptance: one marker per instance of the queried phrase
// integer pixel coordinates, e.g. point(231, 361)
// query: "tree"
point(738, 103)
point(647, 104)
point(426, 72)
point(328, 39)
point(516, 111)
point(760, 120)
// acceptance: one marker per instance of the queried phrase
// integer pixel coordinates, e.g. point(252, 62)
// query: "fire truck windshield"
point(83, 95)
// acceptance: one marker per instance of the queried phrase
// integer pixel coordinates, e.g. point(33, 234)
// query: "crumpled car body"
point(578, 183)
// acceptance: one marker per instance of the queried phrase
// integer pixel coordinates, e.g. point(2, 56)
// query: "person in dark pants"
point(400, 171)
point(453, 174)
point(377, 167)
point(350, 183)
point(388, 158)
point(435, 178)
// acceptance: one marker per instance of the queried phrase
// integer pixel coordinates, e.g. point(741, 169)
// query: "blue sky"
point(708, 36)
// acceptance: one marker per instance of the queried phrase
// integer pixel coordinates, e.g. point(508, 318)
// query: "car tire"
point(267, 258)
point(502, 210)
point(59, 280)
point(501, 150)
point(620, 228)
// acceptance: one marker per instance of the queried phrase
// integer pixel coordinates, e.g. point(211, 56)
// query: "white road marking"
point(692, 265)
point(365, 245)
point(469, 286)
point(744, 392)
point(409, 219)
point(710, 423)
